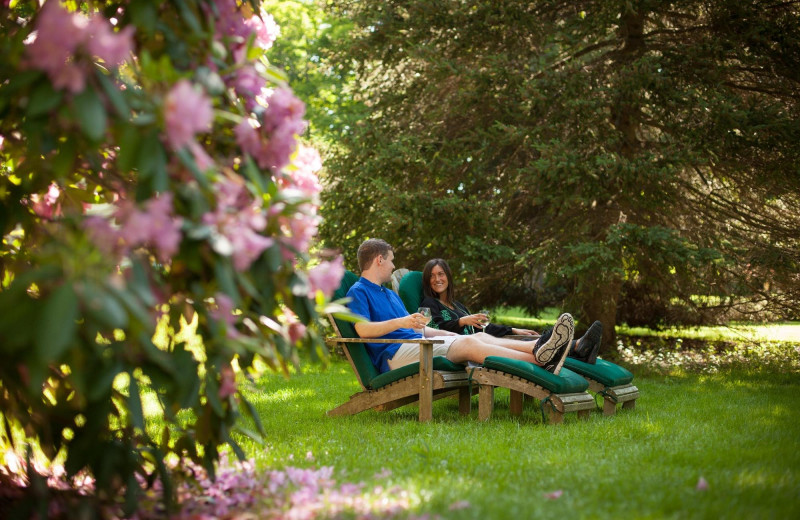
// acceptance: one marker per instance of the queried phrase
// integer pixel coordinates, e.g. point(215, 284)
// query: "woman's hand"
point(523, 332)
point(473, 319)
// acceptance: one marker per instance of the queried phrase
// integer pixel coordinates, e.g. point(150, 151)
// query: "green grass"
point(737, 429)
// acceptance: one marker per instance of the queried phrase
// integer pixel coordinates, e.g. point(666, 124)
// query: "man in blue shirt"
point(388, 319)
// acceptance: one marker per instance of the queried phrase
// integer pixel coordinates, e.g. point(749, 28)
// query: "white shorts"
point(409, 352)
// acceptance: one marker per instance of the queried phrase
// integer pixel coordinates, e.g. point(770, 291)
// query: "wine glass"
point(425, 311)
point(484, 322)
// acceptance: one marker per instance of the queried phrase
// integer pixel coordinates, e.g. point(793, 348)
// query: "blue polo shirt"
point(377, 303)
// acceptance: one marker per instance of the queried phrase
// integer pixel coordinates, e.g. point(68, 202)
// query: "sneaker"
point(585, 349)
point(552, 353)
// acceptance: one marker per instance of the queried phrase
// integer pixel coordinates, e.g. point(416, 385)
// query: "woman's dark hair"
point(426, 279)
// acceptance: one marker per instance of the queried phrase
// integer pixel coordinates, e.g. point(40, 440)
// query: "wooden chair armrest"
point(374, 340)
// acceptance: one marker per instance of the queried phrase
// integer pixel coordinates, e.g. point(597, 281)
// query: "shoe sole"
point(562, 333)
point(565, 330)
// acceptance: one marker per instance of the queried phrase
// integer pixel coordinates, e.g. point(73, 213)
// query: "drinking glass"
point(425, 311)
point(485, 322)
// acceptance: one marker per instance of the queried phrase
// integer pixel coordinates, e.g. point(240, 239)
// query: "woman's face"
point(438, 280)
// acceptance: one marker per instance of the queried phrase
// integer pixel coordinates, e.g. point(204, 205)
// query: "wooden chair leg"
point(583, 414)
point(464, 400)
point(425, 382)
point(485, 402)
point(609, 407)
point(629, 405)
point(554, 416)
point(515, 405)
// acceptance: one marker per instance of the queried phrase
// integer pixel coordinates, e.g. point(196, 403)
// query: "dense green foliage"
point(150, 177)
point(639, 158)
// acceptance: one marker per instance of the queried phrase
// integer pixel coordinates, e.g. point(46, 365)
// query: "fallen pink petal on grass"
point(702, 484)
point(461, 504)
point(554, 495)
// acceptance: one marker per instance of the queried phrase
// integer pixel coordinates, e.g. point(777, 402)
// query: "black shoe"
point(586, 348)
point(551, 353)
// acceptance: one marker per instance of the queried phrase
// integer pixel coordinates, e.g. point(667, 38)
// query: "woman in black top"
point(448, 314)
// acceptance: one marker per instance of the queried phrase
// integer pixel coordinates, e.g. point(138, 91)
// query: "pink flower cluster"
point(292, 493)
point(66, 42)
point(298, 229)
point(187, 111)
point(46, 206)
point(156, 226)
point(272, 140)
point(303, 173)
point(237, 222)
point(240, 490)
point(231, 25)
point(326, 277)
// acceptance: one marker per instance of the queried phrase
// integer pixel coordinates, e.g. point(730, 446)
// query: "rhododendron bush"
point(152, 177)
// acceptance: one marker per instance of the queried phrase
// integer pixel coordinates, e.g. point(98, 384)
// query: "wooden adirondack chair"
point(608, 380)
point(433, 377)
point(557, 394)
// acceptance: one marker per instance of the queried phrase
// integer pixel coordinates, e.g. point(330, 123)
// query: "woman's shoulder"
point(431, 302)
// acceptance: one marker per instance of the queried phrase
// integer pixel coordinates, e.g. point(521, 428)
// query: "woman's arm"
point(443, 318)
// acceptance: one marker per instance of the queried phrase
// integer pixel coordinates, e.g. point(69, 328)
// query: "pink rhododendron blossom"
point(265, 29)
point(248, 84)
point(227, 383)
point(61, 35)
point(299, 229)
point(46, 205)
point(201, 157)
point(155, 226)
point(102, 233)
point(248, 138)
point(237, 220)
point(229, 21)
point(187, 111)
point(303, 176)
point(112, 47)
point(326, 277)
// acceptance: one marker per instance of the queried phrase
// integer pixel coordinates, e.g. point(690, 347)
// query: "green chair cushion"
point(439, 363)
point(358, 351)
point(410, 290)
point(566, 382)
point(604, 372)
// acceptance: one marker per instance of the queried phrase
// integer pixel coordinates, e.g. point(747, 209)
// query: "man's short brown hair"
point(370, 249)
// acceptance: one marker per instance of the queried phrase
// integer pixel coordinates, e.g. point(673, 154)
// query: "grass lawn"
point(784, 332)
point(736, 429)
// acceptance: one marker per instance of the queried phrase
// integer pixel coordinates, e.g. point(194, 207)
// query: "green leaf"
point(91, 114)
point(43, 99)
point(64, 161)
point(114, 94)
point(253, 413)
point(212, 394)
point(135, 404)
point(152, 161)
point(57, 325)
point(223, 270)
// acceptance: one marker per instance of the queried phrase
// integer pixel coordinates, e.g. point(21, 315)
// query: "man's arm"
point(376, 329)
point(430, 332)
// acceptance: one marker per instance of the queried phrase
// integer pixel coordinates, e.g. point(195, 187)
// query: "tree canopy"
point(638, 159)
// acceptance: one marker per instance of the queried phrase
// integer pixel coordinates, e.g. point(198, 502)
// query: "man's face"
point(386, 267)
